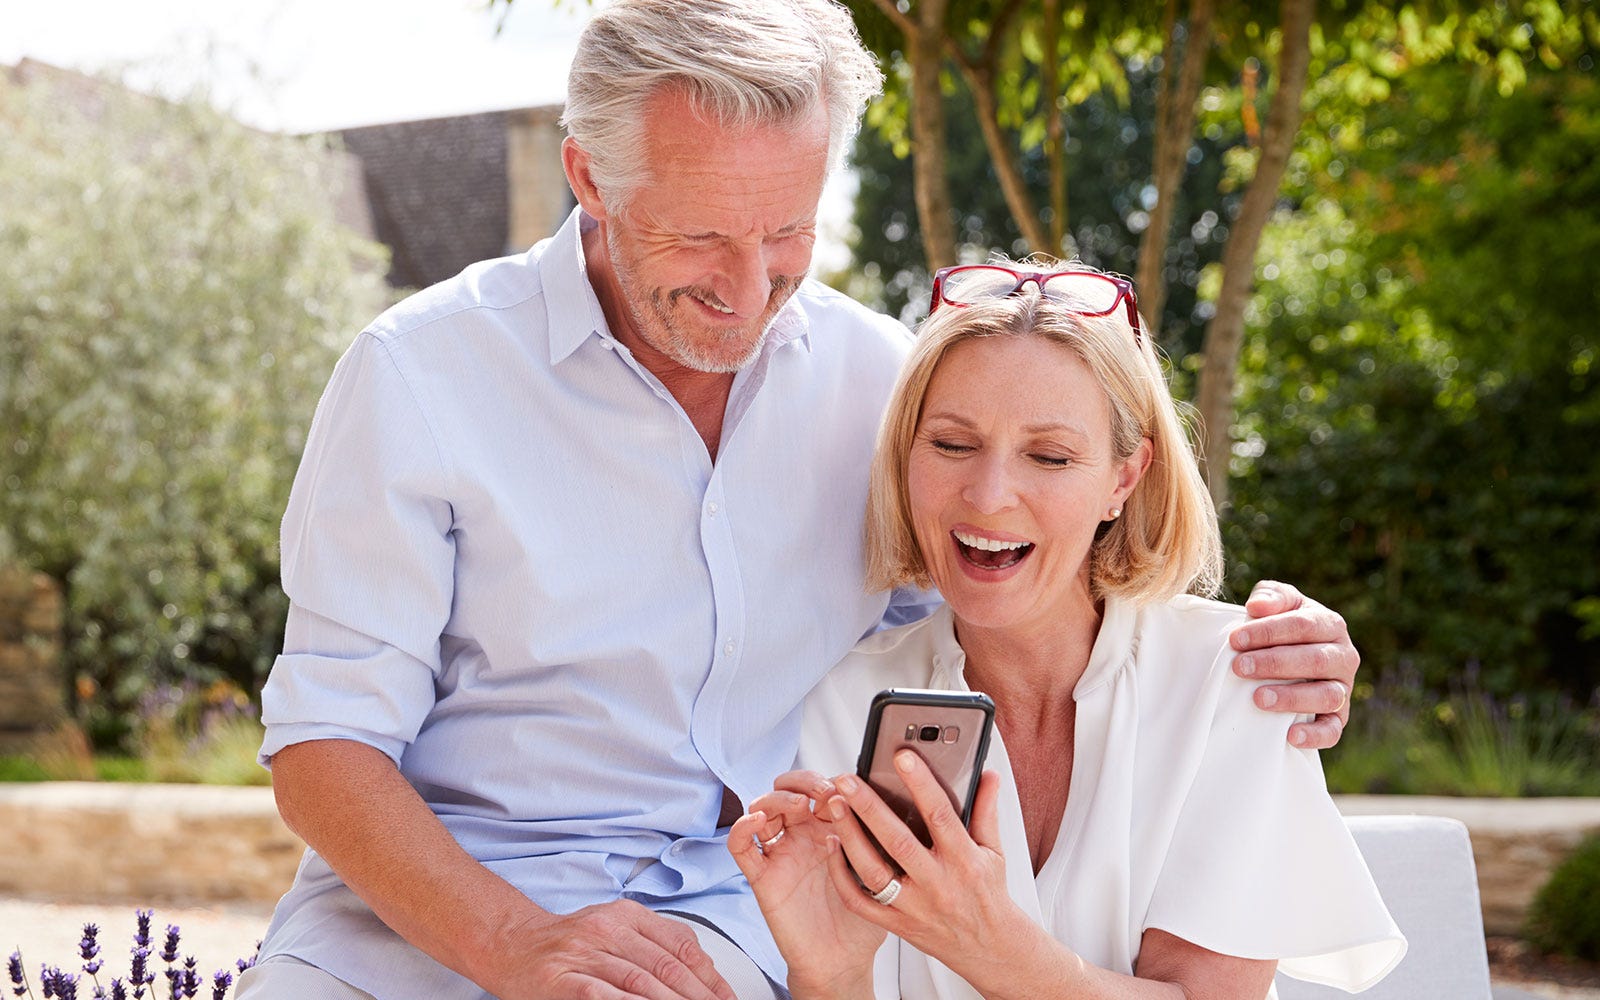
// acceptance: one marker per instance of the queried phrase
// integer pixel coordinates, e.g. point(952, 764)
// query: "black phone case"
point(958, 766)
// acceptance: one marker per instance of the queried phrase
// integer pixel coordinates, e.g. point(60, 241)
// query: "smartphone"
point(947, 729)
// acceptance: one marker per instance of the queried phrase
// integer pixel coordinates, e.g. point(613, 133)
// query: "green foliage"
point(1564, 917)
point(1403, 741)
point(173, 293)
point(1108, 154)
point(1420, 401)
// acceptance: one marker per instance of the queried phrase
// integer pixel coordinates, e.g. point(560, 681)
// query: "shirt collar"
point(574, 308)
point(1114, 648)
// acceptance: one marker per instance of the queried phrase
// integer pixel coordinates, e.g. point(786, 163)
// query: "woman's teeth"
point(990, 553)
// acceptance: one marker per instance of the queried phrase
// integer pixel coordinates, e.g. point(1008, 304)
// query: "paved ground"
point(47, 933)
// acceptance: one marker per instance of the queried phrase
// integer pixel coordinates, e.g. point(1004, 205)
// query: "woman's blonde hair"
point(1165, 542)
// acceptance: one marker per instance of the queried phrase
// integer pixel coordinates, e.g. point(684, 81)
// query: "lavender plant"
point(183, 978)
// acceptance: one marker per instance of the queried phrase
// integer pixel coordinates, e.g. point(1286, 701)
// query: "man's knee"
point(284, 978)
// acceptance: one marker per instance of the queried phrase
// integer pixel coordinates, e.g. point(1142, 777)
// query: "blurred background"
point(1364, 235)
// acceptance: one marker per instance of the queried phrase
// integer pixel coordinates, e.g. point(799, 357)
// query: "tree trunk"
point(981, 80)
point(1175, 116)
point(930, 182)
point(1055, 130)
point(1225, 332)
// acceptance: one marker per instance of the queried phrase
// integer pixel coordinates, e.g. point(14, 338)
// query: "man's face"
point(718, 236)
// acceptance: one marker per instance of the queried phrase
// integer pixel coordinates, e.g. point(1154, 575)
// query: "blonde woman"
point(1144, 829)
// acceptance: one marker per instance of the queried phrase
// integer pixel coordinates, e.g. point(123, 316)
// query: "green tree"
point(173, 293)
point(1422, 401)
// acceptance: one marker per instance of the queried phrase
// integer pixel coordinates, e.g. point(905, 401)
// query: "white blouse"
point(1187, 805)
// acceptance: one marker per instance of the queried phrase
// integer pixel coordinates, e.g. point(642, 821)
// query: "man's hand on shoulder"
point(609, 950)
point(1292, 638)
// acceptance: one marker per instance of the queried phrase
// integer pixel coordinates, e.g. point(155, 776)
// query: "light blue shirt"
point(514, 569)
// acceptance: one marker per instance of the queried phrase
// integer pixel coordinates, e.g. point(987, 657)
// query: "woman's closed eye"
point(950, 447)
point(1051, 461)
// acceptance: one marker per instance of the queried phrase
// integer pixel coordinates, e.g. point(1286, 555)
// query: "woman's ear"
point(1131, 470)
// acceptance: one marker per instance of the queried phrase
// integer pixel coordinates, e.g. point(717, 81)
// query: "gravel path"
point(48, 933)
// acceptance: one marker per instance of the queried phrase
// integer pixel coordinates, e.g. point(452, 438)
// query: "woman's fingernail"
point(848, 785)
point(837, 808)
point(1245, 666)
point(1268, 697)
point(904, 761)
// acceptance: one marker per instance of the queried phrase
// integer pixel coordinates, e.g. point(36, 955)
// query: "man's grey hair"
point(740, 62)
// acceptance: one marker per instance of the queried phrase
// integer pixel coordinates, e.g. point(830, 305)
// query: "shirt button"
point(727, 647)
point(712, 508)
point(676, 848)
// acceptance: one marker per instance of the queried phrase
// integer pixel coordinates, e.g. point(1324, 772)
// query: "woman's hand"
point(782, 846)
point(952, 903)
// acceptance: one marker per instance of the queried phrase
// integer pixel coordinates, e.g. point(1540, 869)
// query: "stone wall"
point(194, 844)
point(32, 696)
point(92, 842)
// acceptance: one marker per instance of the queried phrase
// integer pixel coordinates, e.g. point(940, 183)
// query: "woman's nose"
point(991, 487)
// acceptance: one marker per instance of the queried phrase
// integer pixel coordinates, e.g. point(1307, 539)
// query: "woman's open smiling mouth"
point(989, 553)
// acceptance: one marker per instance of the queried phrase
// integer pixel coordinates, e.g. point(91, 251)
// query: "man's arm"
point(351, 805)
point(1293, 638)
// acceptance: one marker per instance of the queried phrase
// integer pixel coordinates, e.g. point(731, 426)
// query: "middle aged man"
point(577, 530)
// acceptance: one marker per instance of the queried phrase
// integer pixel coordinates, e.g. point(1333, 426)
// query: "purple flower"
point(141, 936)
point(118, 991)
point(169, 948)
point(190, 978)
point(139, 975)
point(219, 985)
point(174, 984)
point(14, 969)
point(89, 949)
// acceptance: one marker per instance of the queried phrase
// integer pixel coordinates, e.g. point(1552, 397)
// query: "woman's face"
point(1009, 476)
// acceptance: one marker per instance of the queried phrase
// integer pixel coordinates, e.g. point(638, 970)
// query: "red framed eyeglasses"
point(1086, 293)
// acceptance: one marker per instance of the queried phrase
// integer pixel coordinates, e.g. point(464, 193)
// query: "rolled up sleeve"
point(368, 564)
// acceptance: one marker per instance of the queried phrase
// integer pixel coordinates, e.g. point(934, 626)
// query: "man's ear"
point(575, 161)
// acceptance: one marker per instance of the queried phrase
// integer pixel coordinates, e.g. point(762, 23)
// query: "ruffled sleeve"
point(1261, 864)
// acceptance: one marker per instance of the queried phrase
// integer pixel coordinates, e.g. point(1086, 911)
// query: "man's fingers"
point(1318, 734)
point(1312, 661)
point(682, 964)
point(1269, 597)
point(1309, 698)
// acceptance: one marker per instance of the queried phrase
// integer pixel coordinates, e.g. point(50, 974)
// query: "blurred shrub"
point(173, 293)
point(1403, 740)
point(1565, 917)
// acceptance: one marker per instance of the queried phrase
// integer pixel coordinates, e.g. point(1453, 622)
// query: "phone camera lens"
point(952, 734)
point(928, 734)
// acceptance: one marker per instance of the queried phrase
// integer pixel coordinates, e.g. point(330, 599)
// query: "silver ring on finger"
point(888, 894)
point(767, 844)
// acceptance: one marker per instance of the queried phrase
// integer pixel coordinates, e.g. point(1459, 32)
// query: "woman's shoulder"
point(835, 712)
point(895, 657)
point(1185, 639)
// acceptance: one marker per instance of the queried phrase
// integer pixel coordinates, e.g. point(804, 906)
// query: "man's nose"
point(992, 487)
point(745, 286)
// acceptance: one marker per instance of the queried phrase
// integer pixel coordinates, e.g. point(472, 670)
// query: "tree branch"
point(1225, 333)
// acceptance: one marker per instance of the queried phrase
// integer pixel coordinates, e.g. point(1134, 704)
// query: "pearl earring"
point(1116, 512)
